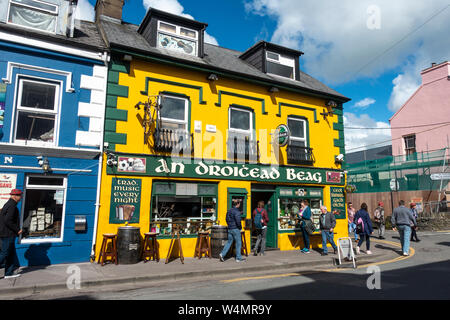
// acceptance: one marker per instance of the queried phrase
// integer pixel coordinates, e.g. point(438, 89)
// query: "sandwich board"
point(345, 251)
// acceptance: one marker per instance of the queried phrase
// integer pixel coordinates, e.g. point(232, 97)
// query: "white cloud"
point(174, 7)
point(364, 103)
point(85, 11)
point(404, 86)
point(366, 138)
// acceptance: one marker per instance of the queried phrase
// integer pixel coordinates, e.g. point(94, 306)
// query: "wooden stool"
point(244, 244)
point(150, 249)
point(104, 252)
point(175, 240)
point(203, 245)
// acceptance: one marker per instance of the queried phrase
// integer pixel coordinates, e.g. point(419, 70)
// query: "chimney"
point(71, 18)
point(433, 64)
point(109, 8)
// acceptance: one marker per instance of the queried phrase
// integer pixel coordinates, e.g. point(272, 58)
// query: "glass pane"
point(279, 69)
point(188, 33)
point(239, 119)
point(38, 95)
point(173, 108)
point(39, 5)
point(177, 44)
point(297, 128)
point(35, 127)
point(172, 126)
point(43, 213)
point(32, 18)
point(206, 189)
point(167, 27)
point(272, 56)
point(44, 181)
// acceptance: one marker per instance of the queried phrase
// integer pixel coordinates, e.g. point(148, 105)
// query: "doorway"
point(268, 196)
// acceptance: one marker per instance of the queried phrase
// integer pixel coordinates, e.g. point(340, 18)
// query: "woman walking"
point(413, 228)
point(260, 220)
point(305, 216)
point(363, 227)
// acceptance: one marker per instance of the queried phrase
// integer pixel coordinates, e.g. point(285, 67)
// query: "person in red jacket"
point(260, 220)
point(9, 230)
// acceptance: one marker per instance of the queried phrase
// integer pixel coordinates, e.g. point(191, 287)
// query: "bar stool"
point(203, 245)
point(244, 244)
point(150, 249)
point(108, 239)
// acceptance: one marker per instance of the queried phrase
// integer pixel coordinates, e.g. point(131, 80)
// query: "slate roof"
point(369, 154)
point(125, 36)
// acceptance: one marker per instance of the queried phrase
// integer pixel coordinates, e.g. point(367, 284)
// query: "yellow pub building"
point(191, 127)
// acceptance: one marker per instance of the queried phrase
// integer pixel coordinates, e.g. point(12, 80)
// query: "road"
point(424, 275)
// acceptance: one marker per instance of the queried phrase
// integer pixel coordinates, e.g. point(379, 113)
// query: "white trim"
point(250, 130)
point(39, 168)
point(177, 30)
point(186, 111)
point(55, 12)
point(283, 60)
point(305, 134)
point(11, 65)
point(29, 41)
point(52, 148)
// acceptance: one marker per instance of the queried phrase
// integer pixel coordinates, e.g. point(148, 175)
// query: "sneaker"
point(13, 276)
point(324, 254)
point(306, 251)
point(369, 252)
point(255, 254)
point(241, 260)
point(221, 257)
point(357, 250)
point(404, 253)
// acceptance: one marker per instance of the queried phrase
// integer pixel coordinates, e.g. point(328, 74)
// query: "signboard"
point(440, 176)
point(125, 200)
point(338, 202)
point(282, 135)
point(7, 183)
point(204, 169)
point(394, 185)
point(345, 251)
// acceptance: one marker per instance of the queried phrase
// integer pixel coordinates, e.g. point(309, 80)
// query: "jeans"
point(364, 237)
point(233, 235)
point(414, 234)
point(352, 228)
point(381, 228)
point(305, 236)
point(8, 255)
point(261, 240)
point(327, 235)
point(405, 236)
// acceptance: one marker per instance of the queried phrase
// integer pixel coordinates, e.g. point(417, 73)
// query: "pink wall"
point(428, 105)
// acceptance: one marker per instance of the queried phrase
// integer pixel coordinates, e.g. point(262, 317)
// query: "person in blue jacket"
point(367, 228)
point(233, 219)
point(305, 215)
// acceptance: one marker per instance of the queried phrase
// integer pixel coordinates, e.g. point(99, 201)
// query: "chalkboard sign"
point(125, 200)
point(338, 202)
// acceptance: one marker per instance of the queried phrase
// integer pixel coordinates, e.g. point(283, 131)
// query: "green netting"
point(410, 172)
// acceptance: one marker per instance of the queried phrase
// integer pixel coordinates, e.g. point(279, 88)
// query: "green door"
point(271, 235)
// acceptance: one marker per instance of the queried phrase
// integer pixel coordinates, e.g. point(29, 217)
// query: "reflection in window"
point(33, 14)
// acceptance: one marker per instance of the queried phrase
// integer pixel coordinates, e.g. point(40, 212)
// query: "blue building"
point(53, 72)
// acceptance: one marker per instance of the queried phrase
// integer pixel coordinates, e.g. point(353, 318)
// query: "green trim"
point(113, 76)
point(219, 102)
point(110, 125)
point(111, 101)
point(173, 83)
point(117, 138)
point(339, 143)
point(116, 114)
point(282, 104)
point(338, 126)
point(117, 90)
point(117, 64)
point(237, 190)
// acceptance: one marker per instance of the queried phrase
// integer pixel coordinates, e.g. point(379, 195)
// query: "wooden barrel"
point(129, 245)
point(219, 236)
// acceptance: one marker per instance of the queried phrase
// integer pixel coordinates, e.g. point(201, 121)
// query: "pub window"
point(43, 212)
point(33, 14)
point(176, 38)
point(190, 205)
point(298, 150)
point(36, 112)
point(280, 65)
point(240, 143)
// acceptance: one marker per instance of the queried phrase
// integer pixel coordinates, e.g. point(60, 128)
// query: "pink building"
point(427, 113)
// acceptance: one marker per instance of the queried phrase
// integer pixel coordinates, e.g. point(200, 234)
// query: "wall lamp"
point(213, 77)
point(273, 89)
point(44, 164)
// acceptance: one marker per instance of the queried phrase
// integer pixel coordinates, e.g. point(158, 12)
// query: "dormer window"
point(33, 14)
point(173, 37)
point(280, 65)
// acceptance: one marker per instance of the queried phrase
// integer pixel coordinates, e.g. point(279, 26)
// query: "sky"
point(370, 51)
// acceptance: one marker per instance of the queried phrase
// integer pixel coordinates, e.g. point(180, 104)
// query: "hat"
point(412, 204)
point(381, 203)
point(16, 192)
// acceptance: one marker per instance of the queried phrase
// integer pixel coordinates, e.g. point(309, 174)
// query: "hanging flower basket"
point(350, 188)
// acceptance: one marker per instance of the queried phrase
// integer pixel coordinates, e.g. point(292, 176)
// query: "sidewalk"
point(93, 275)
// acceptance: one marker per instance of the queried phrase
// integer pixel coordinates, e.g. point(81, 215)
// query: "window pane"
point(187, 33)
point(32, 18)
point(167, 27)
point(177, 44)
point(272, 56)
point(239, 119)
point(173, 108)
point(297, 128)
point(279, 69)
point(35, 126)
point(39, 5)
point(44, 181)
point(43, 213)
point(38, 95)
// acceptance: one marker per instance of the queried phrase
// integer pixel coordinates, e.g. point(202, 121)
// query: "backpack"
point(258, 218)
point(360, 226)
point(377, 214)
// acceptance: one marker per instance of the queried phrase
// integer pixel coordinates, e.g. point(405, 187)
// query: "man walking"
point(9, 230)
point(327, 225)
point(233, 219)
point(379, 219)
point(402, 219)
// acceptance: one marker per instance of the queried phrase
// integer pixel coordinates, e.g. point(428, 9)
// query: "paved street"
point(424, 275)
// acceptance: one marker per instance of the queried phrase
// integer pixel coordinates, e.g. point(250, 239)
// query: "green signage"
point(125, 200)
point(204, 169)
point(338, 202)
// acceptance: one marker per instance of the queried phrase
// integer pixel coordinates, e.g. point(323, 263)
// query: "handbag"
point(309, 226)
